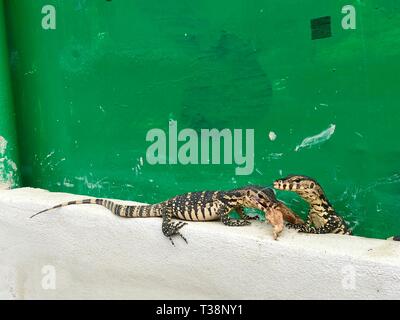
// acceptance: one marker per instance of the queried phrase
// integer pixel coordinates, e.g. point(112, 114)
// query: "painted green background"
point(9, 174)
point(87, 93)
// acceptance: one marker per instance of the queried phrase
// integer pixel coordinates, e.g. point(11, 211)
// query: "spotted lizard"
point(203, 206)
point(322, 217)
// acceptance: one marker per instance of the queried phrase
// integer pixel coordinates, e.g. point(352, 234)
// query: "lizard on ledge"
point(204, 206)
point(322, 218)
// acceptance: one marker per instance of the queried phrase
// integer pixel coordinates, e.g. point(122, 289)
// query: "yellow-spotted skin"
point(322, 218)
point(204, 206)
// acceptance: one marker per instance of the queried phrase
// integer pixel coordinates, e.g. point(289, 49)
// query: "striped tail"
point(140, 211)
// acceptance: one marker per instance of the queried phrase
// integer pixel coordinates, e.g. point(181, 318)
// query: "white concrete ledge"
point(97, 255)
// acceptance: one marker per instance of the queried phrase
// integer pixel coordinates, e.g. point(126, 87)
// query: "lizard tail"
point(117, 209)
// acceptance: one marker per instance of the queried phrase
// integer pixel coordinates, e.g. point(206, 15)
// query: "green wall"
point(87, 93)
point(9, 174)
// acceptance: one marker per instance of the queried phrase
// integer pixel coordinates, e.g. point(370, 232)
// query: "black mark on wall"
point(321, 28)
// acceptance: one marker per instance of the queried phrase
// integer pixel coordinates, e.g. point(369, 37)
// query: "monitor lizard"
point(322, 217)
point(204, 206)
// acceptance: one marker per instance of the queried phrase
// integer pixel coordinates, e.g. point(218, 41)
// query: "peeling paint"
point(274, 156)
point(279, 84)
point(272, 136)
point(137, 169)
point(68, 184)
point(8, 168)
point(394, 178)
point(12, 164)
point(98, 184)
point(3, 145)
point(317, 139)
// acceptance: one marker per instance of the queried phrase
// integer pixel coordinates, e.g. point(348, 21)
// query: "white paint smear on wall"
point(272, 136)
point(3, 146)
point(317, 139)
point(8, 167)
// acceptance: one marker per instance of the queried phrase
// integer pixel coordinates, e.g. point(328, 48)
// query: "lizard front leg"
point(305, 226)
point(332, 226)
point(223, 212)
point(244, 216)
point(170, 228)
point(312, 229)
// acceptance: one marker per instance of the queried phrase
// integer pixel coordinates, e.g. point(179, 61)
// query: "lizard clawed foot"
point(299, 227)
point(226, 220)
point(237, 223)
point(243, 222)
point(251, 218)
point(179, 225)
point(183, 237)
point(172, 229)
point(290, 225)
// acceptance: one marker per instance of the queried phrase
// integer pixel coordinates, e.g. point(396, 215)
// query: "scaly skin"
point(204, 206)
point(322, 218)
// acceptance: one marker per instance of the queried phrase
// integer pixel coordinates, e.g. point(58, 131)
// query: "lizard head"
point(265, 197)
point(262, 195)
point(306, 187)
